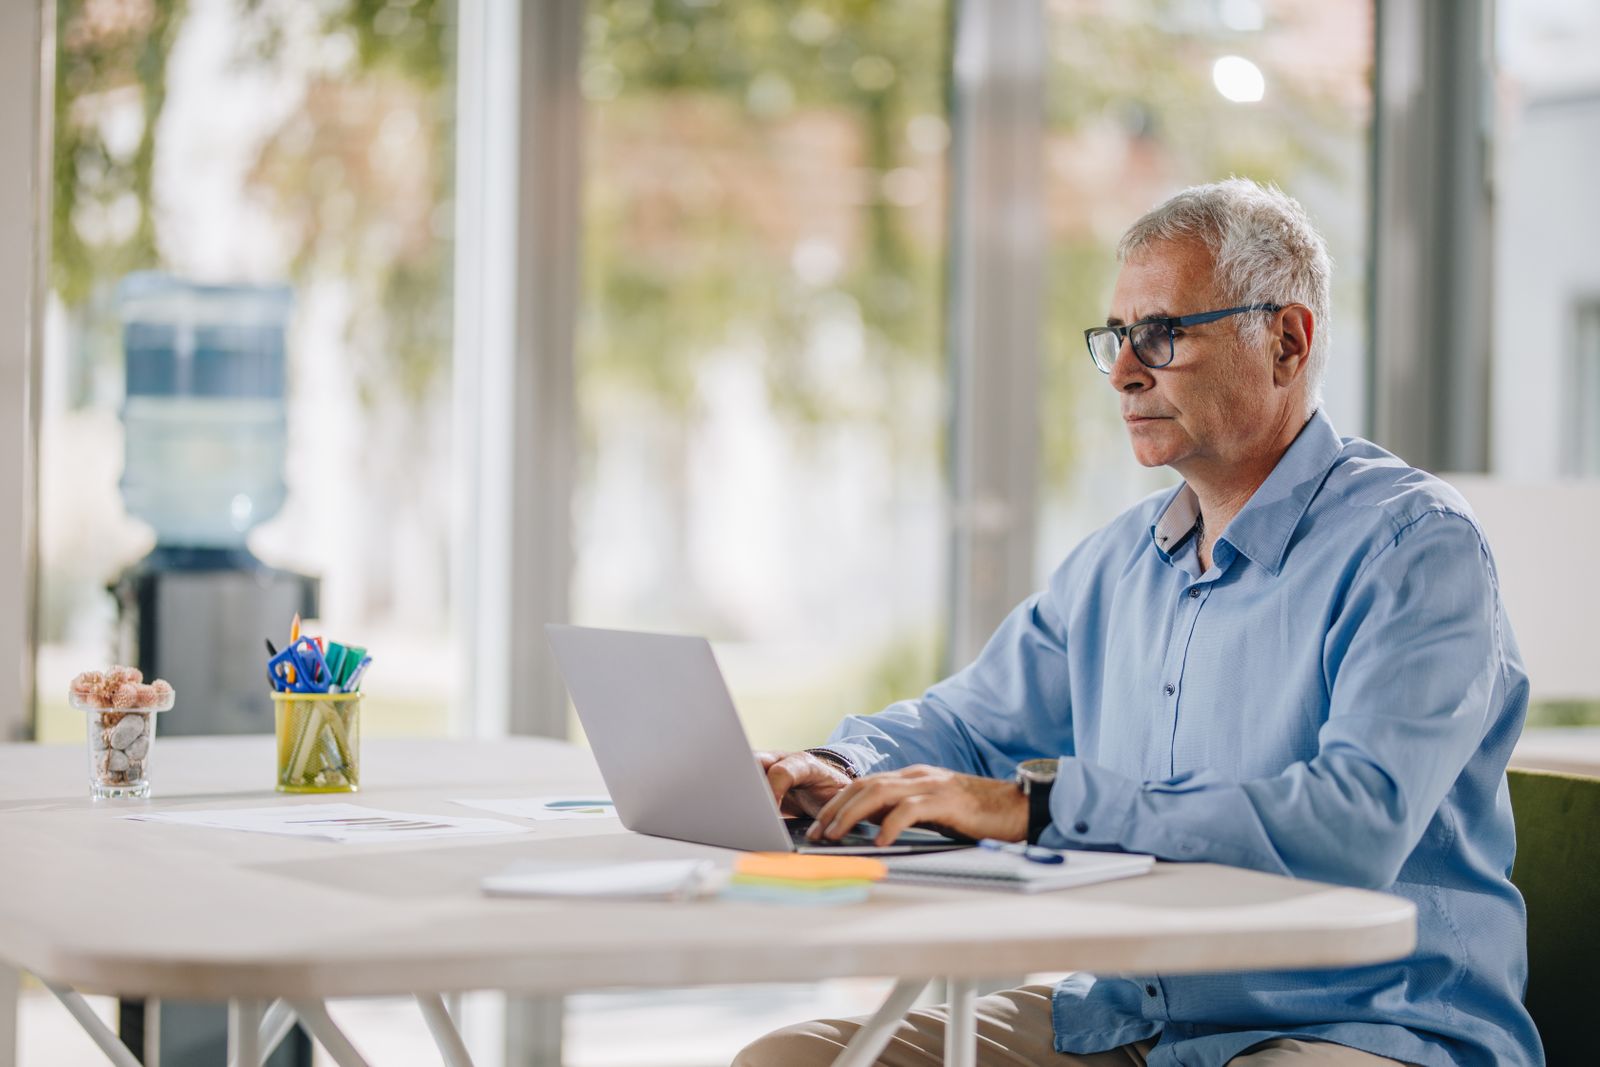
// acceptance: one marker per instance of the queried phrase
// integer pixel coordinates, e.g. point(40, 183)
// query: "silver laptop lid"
point(669, 743)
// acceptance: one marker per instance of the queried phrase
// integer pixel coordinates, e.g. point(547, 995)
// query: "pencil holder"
point(319, 742)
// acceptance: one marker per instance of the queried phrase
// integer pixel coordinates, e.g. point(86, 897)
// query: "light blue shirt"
point(1335, 698)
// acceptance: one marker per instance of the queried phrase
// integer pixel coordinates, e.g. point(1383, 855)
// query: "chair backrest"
point(1557, 870)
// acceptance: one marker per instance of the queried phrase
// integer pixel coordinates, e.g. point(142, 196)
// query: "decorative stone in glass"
point(120, 742)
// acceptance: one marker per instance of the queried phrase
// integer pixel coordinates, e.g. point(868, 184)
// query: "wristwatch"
point(837, 759)
point(1036, 777)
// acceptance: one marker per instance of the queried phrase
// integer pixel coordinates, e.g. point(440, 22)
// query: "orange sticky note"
point(807, 867)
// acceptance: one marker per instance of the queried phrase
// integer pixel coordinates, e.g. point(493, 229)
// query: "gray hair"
point(1265, 251)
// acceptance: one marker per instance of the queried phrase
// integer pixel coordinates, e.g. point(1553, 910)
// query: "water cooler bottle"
point(205, 434)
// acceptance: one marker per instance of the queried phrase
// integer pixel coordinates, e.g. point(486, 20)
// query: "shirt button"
point(1150, 990)
point(1194, 592)
point(1080, 827)
point(1170, 689)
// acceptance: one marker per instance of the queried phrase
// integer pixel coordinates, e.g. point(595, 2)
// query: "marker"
point(1032, 853)
point(352, 683)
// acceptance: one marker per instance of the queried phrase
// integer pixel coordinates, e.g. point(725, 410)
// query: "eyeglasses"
point(1152, 338)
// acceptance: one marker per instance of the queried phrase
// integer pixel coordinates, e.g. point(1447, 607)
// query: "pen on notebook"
point(1028, 852)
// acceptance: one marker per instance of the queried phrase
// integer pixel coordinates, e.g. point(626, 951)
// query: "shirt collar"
point(1267, 521)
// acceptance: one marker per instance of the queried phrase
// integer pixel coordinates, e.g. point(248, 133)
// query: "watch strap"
point(1038, 794)
point(838, 759)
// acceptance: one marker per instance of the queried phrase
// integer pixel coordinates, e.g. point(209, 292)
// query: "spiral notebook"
point(982, 869)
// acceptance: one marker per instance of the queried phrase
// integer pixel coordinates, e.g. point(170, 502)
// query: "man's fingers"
point(859, 800)
point(875, 796)
point(780, 779)
point(830, 811)
point(920, 807)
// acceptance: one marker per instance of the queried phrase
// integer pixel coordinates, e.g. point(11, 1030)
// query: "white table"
point(94, 903)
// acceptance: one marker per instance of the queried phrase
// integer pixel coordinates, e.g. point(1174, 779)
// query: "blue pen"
point(353, 683)
point(1032, 853)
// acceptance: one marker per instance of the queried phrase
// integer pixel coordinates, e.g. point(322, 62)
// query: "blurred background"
point(802, 343)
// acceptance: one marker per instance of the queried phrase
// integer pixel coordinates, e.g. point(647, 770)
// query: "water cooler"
point(205, 433)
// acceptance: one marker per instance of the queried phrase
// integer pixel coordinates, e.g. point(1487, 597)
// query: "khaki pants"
point(1013, 1031)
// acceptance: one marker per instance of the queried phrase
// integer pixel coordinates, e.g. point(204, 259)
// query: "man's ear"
point(1295, 327)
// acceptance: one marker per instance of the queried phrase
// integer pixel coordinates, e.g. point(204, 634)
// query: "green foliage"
point(341, 209)
point(96, 182)
point(903, 670)
point(359, 210)
point(747, 69)
point(1564, 713)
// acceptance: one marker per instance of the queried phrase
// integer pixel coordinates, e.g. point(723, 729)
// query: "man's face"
point(1215, 402)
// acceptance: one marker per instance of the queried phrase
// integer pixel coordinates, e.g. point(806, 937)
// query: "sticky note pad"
point(792, 865)
point(800, 885)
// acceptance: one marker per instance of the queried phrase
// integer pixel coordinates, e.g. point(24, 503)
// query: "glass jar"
point(120, 742)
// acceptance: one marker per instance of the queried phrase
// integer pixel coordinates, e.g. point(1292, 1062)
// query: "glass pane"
point(247, 368)
point(1546, 276)
point(760, 375)
point(1146, 98)
point(1545, 360)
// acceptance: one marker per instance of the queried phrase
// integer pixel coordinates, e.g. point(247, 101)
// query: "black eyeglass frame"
point(1170, 323)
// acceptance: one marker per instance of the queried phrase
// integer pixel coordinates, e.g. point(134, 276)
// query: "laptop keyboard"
point(853, 839)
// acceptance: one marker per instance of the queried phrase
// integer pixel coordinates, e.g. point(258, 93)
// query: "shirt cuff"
point(863, 759)
point(1090, 806)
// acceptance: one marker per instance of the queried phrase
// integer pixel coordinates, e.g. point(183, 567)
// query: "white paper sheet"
point(650, 879)
point(588, 806)
point(344, 823)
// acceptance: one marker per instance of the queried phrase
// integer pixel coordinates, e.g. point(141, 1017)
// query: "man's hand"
point(962, 803)
point(801, 782)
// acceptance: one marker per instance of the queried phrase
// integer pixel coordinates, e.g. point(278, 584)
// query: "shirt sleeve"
point(1414, 663)
point(1012, 703)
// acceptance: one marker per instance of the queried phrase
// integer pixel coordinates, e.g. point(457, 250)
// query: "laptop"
point(673, 753)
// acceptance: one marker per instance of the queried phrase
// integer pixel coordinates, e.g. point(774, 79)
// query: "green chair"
point(1558, 872)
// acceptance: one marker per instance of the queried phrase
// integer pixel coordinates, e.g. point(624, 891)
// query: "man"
point(1296, 662)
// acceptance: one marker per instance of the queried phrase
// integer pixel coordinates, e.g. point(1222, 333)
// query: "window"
point(1582, 452)
point(279, 387)
point(760, 365)
point(1145, 99)
point(1547, 147)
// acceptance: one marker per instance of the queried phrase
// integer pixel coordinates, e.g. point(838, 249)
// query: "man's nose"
point(1128, 375)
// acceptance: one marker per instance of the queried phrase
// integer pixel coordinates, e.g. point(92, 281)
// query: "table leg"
point(873, 1037)
point(10, 999)
point(92, 1025)
point(960, 1028)
point(444, 1031)
point(244, 1032)
point(314, 1016)
point(533, 1028)
point(275, 1026)
point(152, 1032)
point(276, 1023)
